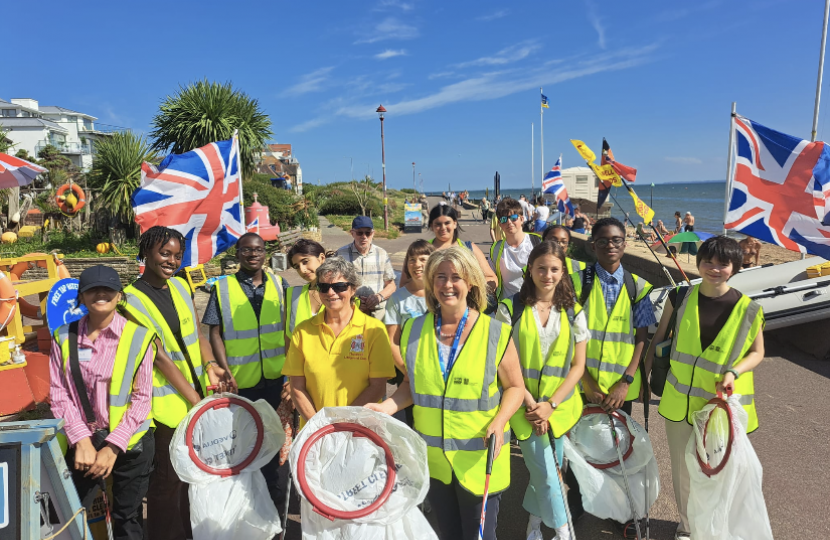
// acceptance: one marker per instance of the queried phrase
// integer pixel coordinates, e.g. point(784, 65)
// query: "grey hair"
point(333, 266)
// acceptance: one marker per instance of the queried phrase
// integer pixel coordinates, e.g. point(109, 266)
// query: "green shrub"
point(284, 207)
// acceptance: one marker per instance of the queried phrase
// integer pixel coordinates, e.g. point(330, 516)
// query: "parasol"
point(16, 172)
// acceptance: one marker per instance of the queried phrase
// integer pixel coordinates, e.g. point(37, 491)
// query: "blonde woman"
point(465, 383)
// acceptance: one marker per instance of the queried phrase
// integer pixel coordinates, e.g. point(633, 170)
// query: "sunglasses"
point(364, 233)
point(514, 217)
point(338, 287)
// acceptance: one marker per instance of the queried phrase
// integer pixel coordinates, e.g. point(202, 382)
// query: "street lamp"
point(380, 110)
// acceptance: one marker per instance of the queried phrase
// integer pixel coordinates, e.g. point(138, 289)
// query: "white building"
point(581, 183)
point(33, 126)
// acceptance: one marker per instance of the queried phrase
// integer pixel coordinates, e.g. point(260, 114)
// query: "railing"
point(65, 148)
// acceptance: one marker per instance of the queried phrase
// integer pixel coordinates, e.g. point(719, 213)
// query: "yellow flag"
point(606, 173)
point(642, 208)
point(584, 151)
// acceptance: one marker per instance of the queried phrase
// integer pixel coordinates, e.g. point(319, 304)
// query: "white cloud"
point(593, 17)
point(310, 124)
point(384, 5)
point(310, 82)
point(684, 160)
point(441, 75)
point(389, 28)
point(508, 55)
point(390, 53)
point(493, 16)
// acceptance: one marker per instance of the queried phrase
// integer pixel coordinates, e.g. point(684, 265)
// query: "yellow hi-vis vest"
point(254, 348)
point(497, 250)
point(691, 380)
point(169, 407)
point(298, 309)
point(611, 344)
point(132, 346)
point(453, 417)
point(543, 376)
point(574, 265)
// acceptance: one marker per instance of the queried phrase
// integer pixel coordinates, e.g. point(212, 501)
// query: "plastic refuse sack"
point(726, 504)
point(347, 472)
point(218, 449)
point(589, 442)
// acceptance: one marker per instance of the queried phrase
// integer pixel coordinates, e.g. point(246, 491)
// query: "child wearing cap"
point(101, 371)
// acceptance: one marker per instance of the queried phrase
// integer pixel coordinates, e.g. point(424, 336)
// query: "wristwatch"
point(552, 404)
point(628, 378)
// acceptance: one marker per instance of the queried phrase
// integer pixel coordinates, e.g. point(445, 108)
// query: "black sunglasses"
point(339, 287)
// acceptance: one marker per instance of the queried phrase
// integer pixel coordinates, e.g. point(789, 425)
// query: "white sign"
point(4, 495)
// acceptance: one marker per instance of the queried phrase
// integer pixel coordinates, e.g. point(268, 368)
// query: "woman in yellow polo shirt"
point(340, 356)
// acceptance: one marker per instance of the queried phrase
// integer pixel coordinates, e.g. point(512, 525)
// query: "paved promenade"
point(792, 398)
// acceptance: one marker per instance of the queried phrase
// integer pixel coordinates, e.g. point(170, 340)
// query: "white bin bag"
point(218, 449)
point(344, 477)
point(593, 457)
point(725, 497)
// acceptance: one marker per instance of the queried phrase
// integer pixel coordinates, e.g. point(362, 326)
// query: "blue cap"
point(362, 222)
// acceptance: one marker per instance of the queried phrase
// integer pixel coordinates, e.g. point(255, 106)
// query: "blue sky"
point(460, 80)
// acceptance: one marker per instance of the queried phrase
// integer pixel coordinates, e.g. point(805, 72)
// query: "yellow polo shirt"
point(338, 369)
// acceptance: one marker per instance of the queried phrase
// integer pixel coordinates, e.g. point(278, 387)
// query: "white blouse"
point(549, 332)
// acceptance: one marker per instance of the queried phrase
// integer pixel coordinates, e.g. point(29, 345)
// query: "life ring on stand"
point(72, 202)
point(8, 299)
point(27, 309)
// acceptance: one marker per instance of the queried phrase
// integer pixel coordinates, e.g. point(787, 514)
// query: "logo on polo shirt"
point(357, 344)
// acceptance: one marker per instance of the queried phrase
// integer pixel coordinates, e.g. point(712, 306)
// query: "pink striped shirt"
point(96, 360)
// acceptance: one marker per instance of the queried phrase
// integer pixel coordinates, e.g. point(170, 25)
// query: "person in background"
point(527, 209)
point(678, 222)
point(251, 302)
point(184, 367)
point(444, 224)
point(303, 302)
point(751, 249)
point(508, 257)
point(495, 231)
point(580, 222)
point(373, 265)
point(689, 222)
point(661, 228)
point(551, 331)
point(619, 312)
point(562, 236)
point(649, 236)
point(114, 359)
point(718, 341)
point(449, 352)
point(485, 209)
point(540, 215)
point(340, 357)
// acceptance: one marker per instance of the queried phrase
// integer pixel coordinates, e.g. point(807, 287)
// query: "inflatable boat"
point(785, 291)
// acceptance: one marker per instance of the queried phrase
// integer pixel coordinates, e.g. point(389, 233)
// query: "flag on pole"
point(584, 151)
point(553, 185)
point(545, 102)
point(643, 210)
point(198, 194)
point(781, 189)
point(253, 226)
point(629, 173)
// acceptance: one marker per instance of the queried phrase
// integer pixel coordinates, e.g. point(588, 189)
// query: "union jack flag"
point(197, 193)
point(253, 226)
point(552, 184)
point(780, 189)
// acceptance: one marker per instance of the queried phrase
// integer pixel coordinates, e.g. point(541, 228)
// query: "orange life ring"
point(60, 199)
point(8, 299)
point(27, 309)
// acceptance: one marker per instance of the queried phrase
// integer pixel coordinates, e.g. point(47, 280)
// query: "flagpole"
point(820, 69)
point(730, 163)
point(541, 134)
point(239, 167)
point(532, 164)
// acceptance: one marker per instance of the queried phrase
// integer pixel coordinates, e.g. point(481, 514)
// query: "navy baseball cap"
point(362, 222)
point(99, 276)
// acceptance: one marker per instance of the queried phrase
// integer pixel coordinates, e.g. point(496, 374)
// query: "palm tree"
point(116, 171)
point(205, 112)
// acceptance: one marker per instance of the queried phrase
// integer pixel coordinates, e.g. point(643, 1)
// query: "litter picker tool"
point(295, 423)
point(625, 474)
point(491, 451)
point(103, 484)
point(646, 409)
point(562, 484)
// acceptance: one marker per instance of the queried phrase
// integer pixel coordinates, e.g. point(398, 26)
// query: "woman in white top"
point(509, 256)
point(550, 333)
point(541, 215)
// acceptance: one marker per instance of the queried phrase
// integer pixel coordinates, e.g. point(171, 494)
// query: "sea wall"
point(642, 264)
point(126, 267)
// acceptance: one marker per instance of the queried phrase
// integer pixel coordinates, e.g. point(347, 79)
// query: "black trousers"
point(276, 477)
point(130, 480)
point(458, 511)
point(574, 495)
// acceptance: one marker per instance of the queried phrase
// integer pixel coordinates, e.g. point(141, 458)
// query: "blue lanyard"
point(454, 349)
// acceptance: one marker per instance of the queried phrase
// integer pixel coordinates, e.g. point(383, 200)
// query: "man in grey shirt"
point(374, 266)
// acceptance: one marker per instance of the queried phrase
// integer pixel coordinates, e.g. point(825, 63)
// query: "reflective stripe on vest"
point(543, 376)
point(169, 407)
point(694, 372)
point(254, 349)
point(132, 346)
point(453, 417)
point(611, 345)
point(574, 265)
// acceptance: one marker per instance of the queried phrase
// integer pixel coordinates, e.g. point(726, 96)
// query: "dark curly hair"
point(158, 235)
point(563, 296)
point(606, 222)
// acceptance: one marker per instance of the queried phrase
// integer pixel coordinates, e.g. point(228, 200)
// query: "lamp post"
point(380, 110)
point(414, 185)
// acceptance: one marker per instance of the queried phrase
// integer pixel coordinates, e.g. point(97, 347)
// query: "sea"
point(704, 200)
